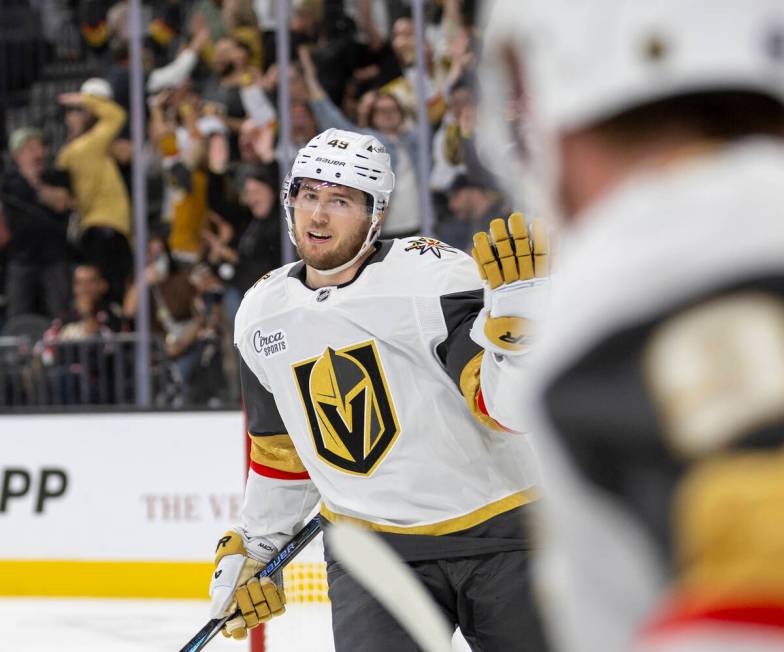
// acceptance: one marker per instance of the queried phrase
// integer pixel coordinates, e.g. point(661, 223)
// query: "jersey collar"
point(382, 248)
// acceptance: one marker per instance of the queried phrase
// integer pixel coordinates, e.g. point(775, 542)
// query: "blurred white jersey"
point(659, 408)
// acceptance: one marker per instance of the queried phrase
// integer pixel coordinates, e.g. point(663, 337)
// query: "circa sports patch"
point(424, 245)
point(269, 344)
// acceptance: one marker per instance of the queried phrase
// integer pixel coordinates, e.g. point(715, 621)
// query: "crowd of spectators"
point(212, 152)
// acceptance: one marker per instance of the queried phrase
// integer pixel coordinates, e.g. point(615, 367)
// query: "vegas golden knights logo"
point(350, 412)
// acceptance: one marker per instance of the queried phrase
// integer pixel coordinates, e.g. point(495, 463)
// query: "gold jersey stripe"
point(276, 452)
point(449, 526)
point(469, 386)
point(729, 534)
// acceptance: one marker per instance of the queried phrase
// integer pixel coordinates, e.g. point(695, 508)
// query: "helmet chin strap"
point(372, 235)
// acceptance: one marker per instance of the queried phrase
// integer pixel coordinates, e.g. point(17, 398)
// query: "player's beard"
point(336, 257)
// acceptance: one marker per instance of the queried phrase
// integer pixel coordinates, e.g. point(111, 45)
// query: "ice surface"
point(84, 625)
point(111, 625)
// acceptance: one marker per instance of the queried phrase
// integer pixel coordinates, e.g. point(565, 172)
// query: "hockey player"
point(362, 388)
point(658, 127)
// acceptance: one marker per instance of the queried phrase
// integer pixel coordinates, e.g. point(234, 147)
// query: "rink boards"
point(116, 505)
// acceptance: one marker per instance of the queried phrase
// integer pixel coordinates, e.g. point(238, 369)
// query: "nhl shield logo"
point(349, 409)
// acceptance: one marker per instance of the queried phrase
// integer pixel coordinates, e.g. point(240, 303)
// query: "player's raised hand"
point(234, 586)
point(515, 265)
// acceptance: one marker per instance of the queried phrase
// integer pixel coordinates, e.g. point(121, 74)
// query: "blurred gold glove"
point(515, 266)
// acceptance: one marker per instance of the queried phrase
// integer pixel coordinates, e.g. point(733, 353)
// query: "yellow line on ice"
point(105, 579)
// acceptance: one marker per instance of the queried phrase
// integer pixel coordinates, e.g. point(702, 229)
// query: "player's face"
point(331, 223)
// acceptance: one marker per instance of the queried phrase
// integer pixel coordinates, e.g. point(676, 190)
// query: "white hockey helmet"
point(572, 63)
point(349, 159)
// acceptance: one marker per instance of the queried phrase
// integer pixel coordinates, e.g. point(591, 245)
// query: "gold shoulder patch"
point(425, 245)
point(262, 278)
point(259, 282)
point(716, 371)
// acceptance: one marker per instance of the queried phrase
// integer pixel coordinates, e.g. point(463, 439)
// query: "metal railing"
point(92, 372)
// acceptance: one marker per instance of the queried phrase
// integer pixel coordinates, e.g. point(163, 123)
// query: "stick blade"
point(383, 574)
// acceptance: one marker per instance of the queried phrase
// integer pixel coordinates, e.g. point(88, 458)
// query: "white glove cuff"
point(262, 548)
point(528, 299)
point(502, 381)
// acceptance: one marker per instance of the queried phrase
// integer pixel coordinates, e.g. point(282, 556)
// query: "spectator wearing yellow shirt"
point(93, 121)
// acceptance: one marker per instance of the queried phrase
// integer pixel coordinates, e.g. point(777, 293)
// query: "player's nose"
point(320, 216)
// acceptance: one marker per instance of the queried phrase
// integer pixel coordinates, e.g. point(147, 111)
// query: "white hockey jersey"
point(365, 380)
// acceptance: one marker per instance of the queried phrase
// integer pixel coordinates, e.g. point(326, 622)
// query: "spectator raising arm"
point(176, 72)
point(93, 122)
point(111, 118)
point(257, 105)
point(327, 114)
point(309, 74)
point(375, 39)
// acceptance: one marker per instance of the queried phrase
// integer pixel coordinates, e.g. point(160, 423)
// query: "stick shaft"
point(287, 553)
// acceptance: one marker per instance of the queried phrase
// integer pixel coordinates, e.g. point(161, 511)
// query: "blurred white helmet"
point(571, 63)
point(348, 159)
point(97, 87)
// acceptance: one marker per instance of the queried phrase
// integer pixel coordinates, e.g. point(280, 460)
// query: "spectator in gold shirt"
point(93, 121)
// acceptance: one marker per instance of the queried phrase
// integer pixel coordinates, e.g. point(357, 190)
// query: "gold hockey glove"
point(515, 266)
point(233, 584)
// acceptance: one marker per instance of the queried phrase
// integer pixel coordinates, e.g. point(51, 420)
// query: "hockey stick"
point(289, 551)
point(383, 574)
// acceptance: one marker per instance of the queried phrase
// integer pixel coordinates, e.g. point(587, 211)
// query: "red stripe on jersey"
point(269, 472)
point(480, 403)
point(680, 616)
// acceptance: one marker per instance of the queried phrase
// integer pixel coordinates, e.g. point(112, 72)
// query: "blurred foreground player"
point(658, 128)
point(362, 387)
